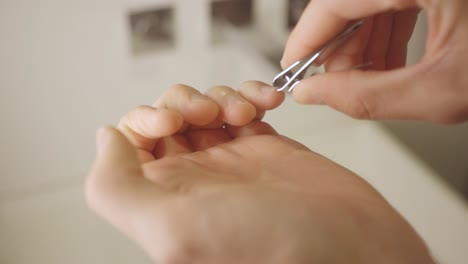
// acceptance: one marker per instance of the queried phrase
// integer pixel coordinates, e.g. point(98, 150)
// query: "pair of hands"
point(434, 90)
point(199, 178)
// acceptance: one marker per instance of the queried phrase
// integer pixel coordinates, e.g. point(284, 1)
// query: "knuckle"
point(178, 88)
point(123, 122)
point(357, 111)
point(129, 118)
point(361, 106)
point(140, 124)
point(220, 89)
point(140, 109)
point(176, 93)
point(139, 119)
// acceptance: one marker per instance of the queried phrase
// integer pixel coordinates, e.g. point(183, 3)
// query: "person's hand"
point(434, 90)
point(200, 179)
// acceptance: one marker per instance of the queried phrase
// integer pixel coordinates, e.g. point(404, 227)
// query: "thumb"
point(369, 95)
point(115, 185)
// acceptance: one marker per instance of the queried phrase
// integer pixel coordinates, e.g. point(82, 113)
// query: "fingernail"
point(234, 99)
point(282, 62)
point(198, 97)
point(307, 96)
point(267, 89)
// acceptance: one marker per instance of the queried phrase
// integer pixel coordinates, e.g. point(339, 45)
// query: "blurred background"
point(68, 67)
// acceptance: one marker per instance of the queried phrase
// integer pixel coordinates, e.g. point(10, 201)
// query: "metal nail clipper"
point(289, 78)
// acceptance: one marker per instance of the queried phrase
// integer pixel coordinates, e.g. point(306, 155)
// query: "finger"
point(195, 108)
point(218, 123)
point(368, 95)
point(145, 156)
point(234, 109)
point(205, 139)
point(377, 48)
point(144, 125)
point(253, 129)
point(262, 96)
point(116, 187)
point(403, 28)
point(351, 52)
point(170, 146)
point(324, 19)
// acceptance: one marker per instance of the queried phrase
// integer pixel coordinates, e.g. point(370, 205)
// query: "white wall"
point(66, 68)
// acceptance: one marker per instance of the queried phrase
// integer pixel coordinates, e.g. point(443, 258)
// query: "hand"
point(434, 90)
point(200, 179)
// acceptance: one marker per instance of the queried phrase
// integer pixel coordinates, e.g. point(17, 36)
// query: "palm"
point(259, 159)
point(257, 183)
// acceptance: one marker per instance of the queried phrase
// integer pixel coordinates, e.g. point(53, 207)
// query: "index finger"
point(324, 19)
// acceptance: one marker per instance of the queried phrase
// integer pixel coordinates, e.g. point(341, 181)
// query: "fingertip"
point(202, 111)
point(285, 61)
point(168, 120)
point(194, 107)
point(150, 123)
point(315, 28)
point(239, 114)
point(292, 53)
point(261, 95)
point(298, 96)
point(276, 99)
point(326, 88)
point(158, 122)
point(233, 108)
point(307, 94)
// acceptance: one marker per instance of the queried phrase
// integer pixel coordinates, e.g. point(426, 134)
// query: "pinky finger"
point(262, 96)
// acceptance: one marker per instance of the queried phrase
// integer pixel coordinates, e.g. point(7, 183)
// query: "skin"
point(433, 90)
point(201, 179)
